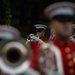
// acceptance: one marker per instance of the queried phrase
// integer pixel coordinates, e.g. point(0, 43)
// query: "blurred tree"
point(24, 14)
point(2, 12)
point(5, 13)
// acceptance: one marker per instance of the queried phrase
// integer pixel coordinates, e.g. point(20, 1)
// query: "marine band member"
point(61, 15)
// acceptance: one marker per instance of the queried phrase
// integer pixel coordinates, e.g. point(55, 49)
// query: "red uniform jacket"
point(67, 50)
point(36, 47)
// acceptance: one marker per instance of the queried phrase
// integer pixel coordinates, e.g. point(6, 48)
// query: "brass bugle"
point(15, 57)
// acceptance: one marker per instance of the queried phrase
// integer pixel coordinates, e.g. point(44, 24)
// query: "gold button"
point(71, 71)
point(70, 63)
point(67, 50)
point(74, 59)
point(69, 56)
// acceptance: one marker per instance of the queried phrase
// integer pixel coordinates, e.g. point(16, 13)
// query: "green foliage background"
point(24, 14)
point(5, 12)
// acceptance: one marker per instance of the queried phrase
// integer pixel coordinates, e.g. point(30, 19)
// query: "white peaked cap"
point(60, 8)
point(8, 32)
point(40, 26)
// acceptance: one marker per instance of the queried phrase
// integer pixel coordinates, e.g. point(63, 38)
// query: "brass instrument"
point(49, 58)
point(15, 57)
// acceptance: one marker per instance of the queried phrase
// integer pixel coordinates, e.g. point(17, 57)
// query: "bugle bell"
point(15, 57)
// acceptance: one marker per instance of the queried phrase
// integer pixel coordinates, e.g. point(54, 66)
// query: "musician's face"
point(63, 29)
point(41, 34)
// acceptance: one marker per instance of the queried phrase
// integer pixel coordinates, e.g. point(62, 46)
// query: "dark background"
point(24, 14)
